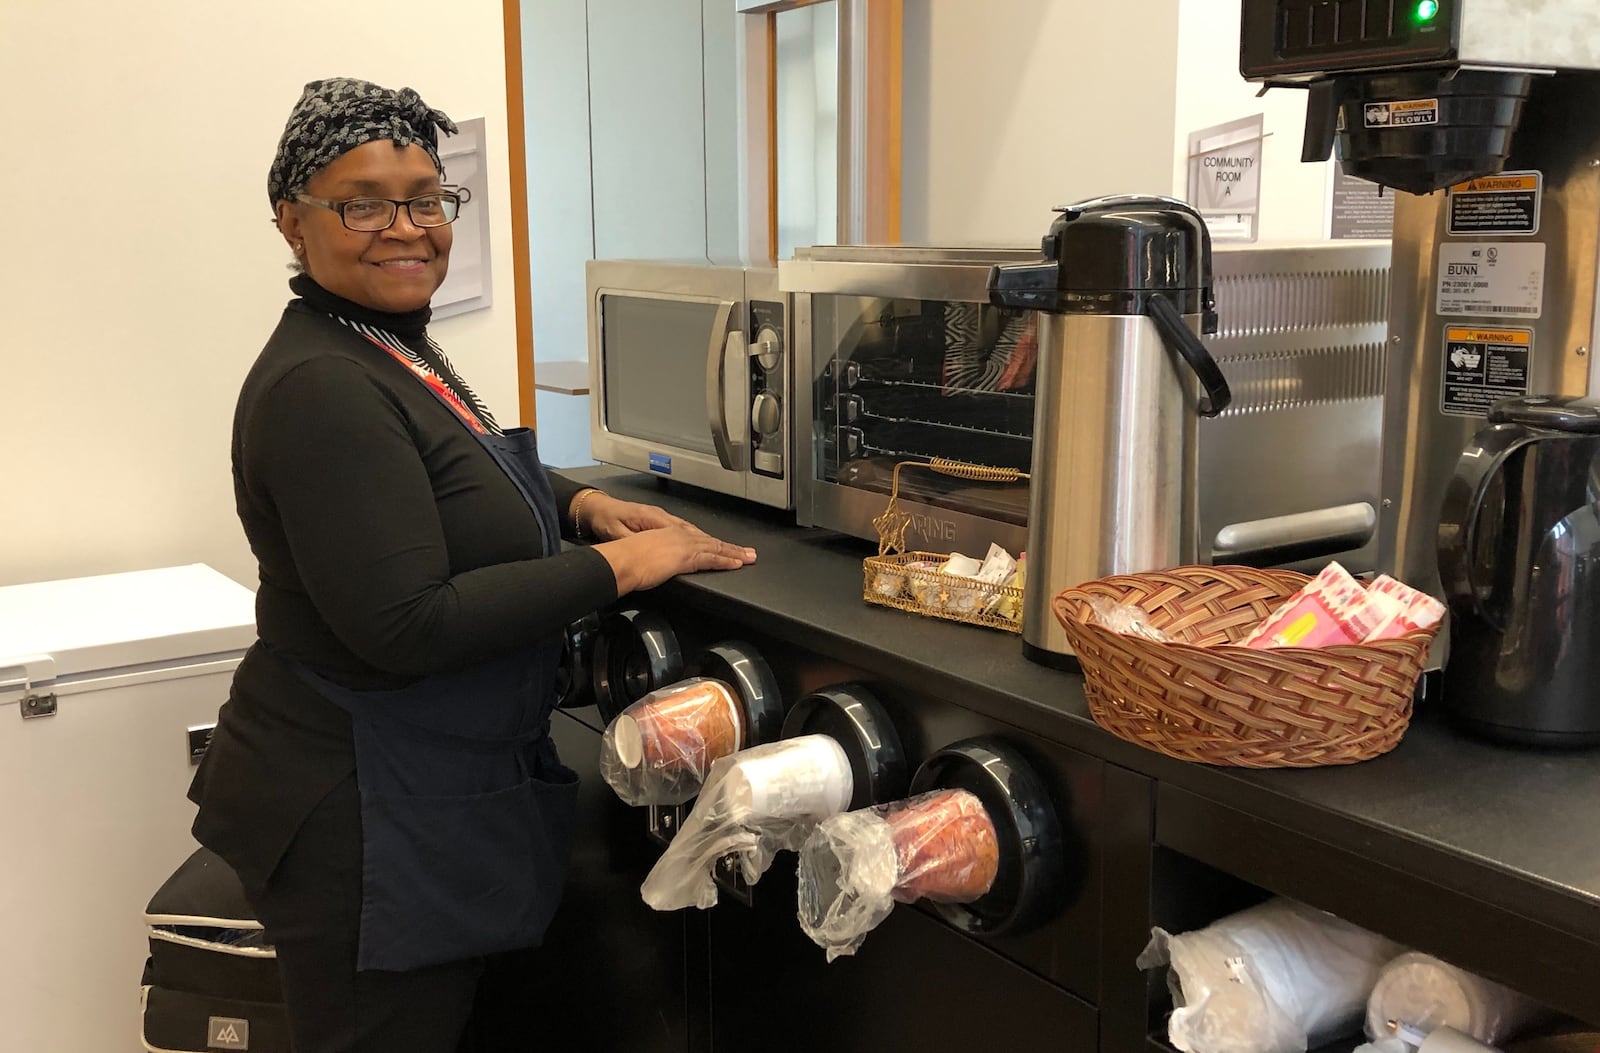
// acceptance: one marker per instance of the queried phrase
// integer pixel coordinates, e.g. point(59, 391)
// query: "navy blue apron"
point(466, 811)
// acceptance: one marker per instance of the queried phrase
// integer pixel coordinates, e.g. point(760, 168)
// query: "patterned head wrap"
point(337, 115)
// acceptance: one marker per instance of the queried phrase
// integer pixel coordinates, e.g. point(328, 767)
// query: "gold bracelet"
point(577, 511)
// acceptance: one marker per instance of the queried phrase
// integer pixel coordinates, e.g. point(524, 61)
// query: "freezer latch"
point(27, 674)
point(38, 706)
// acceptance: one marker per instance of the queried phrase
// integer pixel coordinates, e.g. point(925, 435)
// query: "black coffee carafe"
point(1519, 556)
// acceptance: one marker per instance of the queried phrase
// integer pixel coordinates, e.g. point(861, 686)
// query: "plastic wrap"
point(891, 582)
point(753, 804)
point(658, 750)
point(1125, 618)
point(1420, 992)
point(854, 867)
point(1387, 1045)
point(1272, 979)
point(1406, 609)
point(1440, 1040)
point(1332, 609)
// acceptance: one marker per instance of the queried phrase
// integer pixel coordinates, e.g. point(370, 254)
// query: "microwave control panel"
point(769, 355)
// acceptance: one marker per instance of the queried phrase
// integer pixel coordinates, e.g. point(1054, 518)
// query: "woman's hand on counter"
point(609, 519)
point(645, 559)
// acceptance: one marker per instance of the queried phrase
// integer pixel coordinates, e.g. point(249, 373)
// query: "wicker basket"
point(1205, 700)
point(889, 579)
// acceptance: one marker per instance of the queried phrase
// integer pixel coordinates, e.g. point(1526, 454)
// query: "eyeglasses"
point(371, 214)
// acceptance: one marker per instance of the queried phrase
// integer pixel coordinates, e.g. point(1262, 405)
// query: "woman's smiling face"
point(395, 270)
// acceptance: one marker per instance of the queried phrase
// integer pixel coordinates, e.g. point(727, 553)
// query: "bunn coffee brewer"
point(1484, 117)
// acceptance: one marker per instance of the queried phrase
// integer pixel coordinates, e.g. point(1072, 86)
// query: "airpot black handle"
point(635, 653)
point(1180, 338)
point(1032, 871)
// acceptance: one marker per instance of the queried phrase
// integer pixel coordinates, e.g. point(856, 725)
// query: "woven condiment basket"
point(1208, 701)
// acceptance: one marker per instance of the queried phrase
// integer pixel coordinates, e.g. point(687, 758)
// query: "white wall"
point(1211, 92)
point(144, 277)
point(1011, 107)
point(1014, 106)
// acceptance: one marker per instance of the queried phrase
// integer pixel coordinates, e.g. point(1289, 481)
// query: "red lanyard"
point(438, 386)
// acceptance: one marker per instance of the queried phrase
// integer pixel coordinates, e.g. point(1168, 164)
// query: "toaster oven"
point(904, 359)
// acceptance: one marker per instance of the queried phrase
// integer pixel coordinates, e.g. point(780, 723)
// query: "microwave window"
point(912, 380)
point(654, 357)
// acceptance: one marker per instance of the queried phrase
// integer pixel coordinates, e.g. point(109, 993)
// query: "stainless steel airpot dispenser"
point(1123, 379)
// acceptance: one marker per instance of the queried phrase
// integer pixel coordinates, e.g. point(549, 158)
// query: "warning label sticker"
point(1491, 278)
point(1483, 366)
point(1502, 204)
point(1400, 114)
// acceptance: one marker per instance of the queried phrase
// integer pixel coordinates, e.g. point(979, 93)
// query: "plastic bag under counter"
point(1280, 977)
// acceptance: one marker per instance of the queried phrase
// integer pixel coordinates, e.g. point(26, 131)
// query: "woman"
point(380, 777)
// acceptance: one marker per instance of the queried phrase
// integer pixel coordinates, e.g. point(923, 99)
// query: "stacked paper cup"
point(1419, 992)
point(659, 749)
point(939, 845)
point(800, 778)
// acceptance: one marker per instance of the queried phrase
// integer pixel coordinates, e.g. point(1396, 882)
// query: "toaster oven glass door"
point(654, 352)
point(901, 379)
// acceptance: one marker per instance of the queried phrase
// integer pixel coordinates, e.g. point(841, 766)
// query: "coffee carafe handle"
point(1462, 507)
point(1180, 338)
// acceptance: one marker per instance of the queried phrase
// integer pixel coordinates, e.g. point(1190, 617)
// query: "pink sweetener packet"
point(1331, 609)
point(1413, 609)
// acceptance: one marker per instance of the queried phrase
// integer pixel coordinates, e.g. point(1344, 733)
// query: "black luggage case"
point(211, 981)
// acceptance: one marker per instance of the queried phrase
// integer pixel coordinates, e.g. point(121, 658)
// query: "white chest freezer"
point(100, 681)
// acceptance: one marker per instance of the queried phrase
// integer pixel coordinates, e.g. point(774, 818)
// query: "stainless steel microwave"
point(690, 375)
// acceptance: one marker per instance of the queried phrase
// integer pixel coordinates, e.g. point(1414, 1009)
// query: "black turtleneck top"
point(391, 547)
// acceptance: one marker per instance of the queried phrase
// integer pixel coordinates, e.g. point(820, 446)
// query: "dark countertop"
point(1514, 830)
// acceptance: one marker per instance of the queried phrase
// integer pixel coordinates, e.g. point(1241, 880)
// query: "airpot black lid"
point(1574, 414)
point(1101, 253)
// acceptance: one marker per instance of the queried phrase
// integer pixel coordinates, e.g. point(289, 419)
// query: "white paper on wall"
point(1225, 177)
point(468, 286)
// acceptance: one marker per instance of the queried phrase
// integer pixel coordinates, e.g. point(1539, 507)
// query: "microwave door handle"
point(717, 386)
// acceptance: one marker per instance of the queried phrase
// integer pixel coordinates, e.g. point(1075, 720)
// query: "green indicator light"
point(1427, 10)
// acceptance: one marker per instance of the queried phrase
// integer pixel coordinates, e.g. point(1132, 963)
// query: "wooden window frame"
point(870, 56)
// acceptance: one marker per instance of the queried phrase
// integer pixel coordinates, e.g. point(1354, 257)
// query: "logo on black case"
point(224, 1032)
